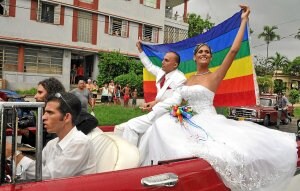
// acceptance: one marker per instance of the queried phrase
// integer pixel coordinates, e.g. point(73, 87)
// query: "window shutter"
point(84, 27)
point(57, 10)
point(110, 27)
point(106, 28)
point(154, 35)
point(6, 7)
point(39, 11)
point(124, 28)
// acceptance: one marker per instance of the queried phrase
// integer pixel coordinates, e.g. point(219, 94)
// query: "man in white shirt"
point(168, 78)
point(71, 153)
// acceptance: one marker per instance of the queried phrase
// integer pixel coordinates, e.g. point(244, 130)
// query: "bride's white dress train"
point(248, 156)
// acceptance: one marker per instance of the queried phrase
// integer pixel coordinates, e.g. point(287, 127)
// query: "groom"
point(168, 78)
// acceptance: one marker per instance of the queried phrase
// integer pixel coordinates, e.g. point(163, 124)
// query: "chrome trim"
point(160, 180)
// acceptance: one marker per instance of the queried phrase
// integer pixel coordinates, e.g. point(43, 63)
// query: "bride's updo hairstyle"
point(198, 46)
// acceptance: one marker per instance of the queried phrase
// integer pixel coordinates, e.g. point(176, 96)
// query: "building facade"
point(44, 38)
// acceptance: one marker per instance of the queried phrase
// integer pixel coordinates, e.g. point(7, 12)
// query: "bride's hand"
point(246, 11)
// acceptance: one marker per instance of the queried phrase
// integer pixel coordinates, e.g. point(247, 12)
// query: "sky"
point(285, 14)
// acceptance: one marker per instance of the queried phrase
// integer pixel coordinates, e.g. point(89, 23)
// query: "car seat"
point(113, 152)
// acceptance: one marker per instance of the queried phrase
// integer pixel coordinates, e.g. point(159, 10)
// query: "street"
point(292, 127)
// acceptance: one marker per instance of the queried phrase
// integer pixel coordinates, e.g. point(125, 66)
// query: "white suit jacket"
point(173, 79)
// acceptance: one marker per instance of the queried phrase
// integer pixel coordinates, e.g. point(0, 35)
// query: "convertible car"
point(117, 167)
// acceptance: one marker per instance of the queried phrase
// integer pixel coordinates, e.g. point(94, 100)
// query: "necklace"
point(201, 74)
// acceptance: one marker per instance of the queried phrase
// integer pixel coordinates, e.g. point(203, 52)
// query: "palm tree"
point(269, 35)
point(297, 36)
point(278, 62)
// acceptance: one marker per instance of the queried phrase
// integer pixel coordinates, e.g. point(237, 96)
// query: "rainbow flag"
point(239, 85)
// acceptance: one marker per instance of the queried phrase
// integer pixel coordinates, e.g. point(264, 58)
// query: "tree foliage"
point(262, 68)
point(113, 64)
point(294, 96)
point(269, 35)
point(279, 86)
point(197, 25)
point(264, 83)
point(279, 62)
point(293, 68)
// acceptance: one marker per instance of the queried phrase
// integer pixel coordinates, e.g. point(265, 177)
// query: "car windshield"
point(265, 102)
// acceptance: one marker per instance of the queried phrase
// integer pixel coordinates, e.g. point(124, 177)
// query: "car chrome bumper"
point(245, 119)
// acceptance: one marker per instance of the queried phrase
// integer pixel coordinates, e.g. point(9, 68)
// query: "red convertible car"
point(119, 170)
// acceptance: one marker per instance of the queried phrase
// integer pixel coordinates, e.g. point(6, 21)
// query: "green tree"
point(261, 67)
point(269, 35)
point(294, 96)
point(264, 83)
point(294, 67)
point(297, 36)
point(113, 64)
point(279, 86)
point(278, 62)
point(197, 25)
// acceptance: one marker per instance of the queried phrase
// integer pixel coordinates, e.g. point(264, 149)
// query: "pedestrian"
point(84, 95)
point(73, 74)
point(281, 106)
point(134, 95)
point(126, 92)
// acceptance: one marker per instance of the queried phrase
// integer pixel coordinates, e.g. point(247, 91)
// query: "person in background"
point(80, 73)
point(111, 91)
point(84, 95)
point(282, 106)
point(71, 153)
point(73, 74)
point(94, 91)
point(134, 95)
point(104, 93)
point(117, 97)
point(126, 91)
point(89, 85)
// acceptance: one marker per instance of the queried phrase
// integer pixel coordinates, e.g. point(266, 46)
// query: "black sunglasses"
point(58, 95)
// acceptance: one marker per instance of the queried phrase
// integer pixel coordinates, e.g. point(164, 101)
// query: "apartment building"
point(44, 38)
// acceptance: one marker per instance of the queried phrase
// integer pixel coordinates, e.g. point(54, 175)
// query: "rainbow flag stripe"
point(238, 86)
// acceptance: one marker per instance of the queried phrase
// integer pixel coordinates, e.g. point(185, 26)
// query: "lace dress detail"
point(247, 156)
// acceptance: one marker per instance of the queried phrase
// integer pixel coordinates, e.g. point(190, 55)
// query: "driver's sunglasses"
point(58, 95)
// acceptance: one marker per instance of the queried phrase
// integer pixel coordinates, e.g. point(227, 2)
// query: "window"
point(4, 7)
point(49, 13)
point(173, 34)
point(118, 27)
point(150, 3)
point(43, 60)
point(8, 58)
point(150, 34)
point(84, 32)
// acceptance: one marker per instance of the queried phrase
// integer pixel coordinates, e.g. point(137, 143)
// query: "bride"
point(246, 155)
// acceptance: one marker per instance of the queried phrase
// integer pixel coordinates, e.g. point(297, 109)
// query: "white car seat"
point(113, 152)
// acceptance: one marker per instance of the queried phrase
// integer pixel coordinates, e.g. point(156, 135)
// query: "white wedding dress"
point(248, 156)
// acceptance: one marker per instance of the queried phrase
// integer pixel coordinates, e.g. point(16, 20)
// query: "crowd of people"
point(244, 154)
point(109, 93)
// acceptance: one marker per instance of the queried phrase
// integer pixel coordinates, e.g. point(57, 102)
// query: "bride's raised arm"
point(221, 72)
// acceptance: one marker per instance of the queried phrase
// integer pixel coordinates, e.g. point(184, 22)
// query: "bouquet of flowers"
point(181, 112)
